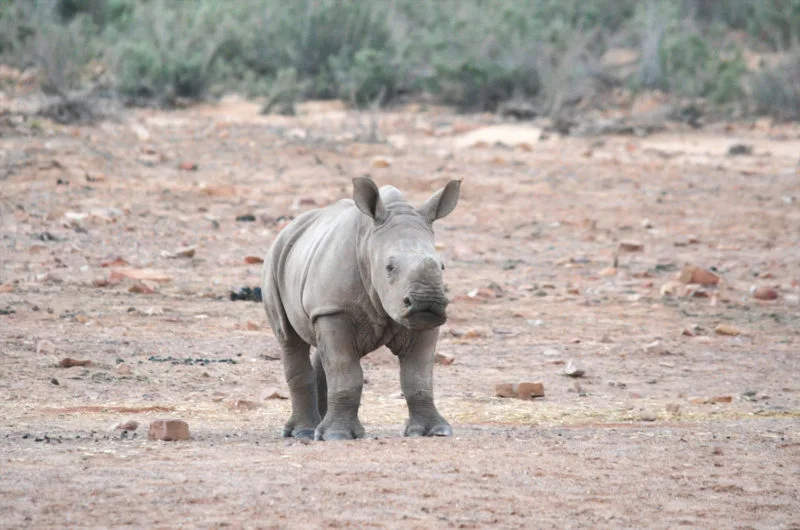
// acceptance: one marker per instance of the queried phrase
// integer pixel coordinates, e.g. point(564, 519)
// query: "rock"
point(141, 288)
point(116, 262)
point(505, 390)
point(551, 352)
point(6, 288)
point(188, 166)
point(698, 275)
point(573, 371)
point(630, 246)
point(168, 430)
point(673, 408)
point(130, 425)
point(273, 393)
point(246, 218)
point(124, 370)
point(698, 400)
point(764, 293)
point(608, 271)
point(730, 331)
point(243, 404)
point(646, 223)
point(509, 135)
point(647, 416)
point(740, 149)
point(721, 399)
point(445, 359)
point(606, 339)
point(381, 162)
point(672, 288)
point(655, 348)
point(530, 390)
point(69, 362)
point(183, 252)
point(253, 260)
point(253, 326)
point(247, 294)
point(46, 347)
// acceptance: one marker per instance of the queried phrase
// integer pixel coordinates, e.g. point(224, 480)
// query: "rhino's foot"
point(293, 430)
point(341, 430)
point(437, 427)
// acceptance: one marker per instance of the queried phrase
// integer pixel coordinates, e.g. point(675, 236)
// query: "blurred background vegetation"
point(739, 57)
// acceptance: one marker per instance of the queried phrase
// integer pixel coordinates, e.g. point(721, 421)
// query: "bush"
point(777, 91)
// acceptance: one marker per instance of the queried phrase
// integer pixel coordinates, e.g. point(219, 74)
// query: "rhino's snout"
point(424, 312)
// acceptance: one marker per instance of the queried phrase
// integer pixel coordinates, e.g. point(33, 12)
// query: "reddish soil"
point(673, 424)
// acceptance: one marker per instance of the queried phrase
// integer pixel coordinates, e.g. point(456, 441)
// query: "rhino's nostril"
point(407, 301)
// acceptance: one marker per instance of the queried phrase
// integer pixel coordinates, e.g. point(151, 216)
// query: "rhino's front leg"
point(416, 380)
point(344, 378)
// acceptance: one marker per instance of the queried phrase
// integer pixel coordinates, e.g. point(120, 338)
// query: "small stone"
point(698, 275)
point(141, 288)
point(605, 339)
point(123, 370)
point(243, 404)
point(672, 288)
point(673, 408)
point(253, 326)
point(505, 390)
point(572, 370)
point(730, 331)
point(530, 390)
point(54, 381)
point(698, 400)
point(646, 223)
point(188, 166)
point(608, 271)
point(381, 162)
point(631, 246)
point(168, 430)
point(253, 260)
point(69, 362)
point(721, 399)
point(273, 393)
point(46, 347)
point(183, 252)
point(647, 416)
point(656, 348)
point(445, 359)
point(764, 293)
point(130, 425)
point(551, 352)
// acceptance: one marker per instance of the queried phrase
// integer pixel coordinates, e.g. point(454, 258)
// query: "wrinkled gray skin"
point(347, 279)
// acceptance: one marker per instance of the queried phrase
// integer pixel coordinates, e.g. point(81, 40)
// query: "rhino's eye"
point(391, 267)
point(442, 265)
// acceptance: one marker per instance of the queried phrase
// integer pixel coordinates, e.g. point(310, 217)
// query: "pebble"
point(130, 425)
point(168, 430)
point(445, 359)
point(647, 416)
point(46, 347)
point(673, 408)
point(124, 369)
point(572, 370)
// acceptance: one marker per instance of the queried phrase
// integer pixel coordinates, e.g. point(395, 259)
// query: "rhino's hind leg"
point(342, 376)
point(302, 389)
point(322, 384)
point(416, 380)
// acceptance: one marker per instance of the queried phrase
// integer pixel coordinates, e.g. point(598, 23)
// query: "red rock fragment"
point(445, 359)
point(765, 293)
point(253, 260)
point(69, 362)
point(168, 430)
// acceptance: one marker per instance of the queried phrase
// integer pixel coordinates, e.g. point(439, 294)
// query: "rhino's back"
point(313, 264)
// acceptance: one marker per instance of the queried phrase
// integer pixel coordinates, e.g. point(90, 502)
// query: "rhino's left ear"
point(368, 198)
point(442, 202)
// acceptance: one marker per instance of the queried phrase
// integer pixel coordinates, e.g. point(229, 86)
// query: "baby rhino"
point(347, 279)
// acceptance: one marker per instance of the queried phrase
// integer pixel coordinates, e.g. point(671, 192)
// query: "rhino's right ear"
point(368, 198)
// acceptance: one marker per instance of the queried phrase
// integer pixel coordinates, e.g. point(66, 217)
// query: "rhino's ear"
point(368, 198)
point(442, 202)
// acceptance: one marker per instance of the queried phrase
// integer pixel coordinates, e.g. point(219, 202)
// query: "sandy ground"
point(673, 424)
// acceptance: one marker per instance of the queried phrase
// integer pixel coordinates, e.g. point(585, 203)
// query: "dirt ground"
point(676, 422)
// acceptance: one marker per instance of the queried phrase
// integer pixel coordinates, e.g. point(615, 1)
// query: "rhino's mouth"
point(424, 319)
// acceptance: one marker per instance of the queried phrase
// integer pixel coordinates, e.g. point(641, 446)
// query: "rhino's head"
point(405, 270)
